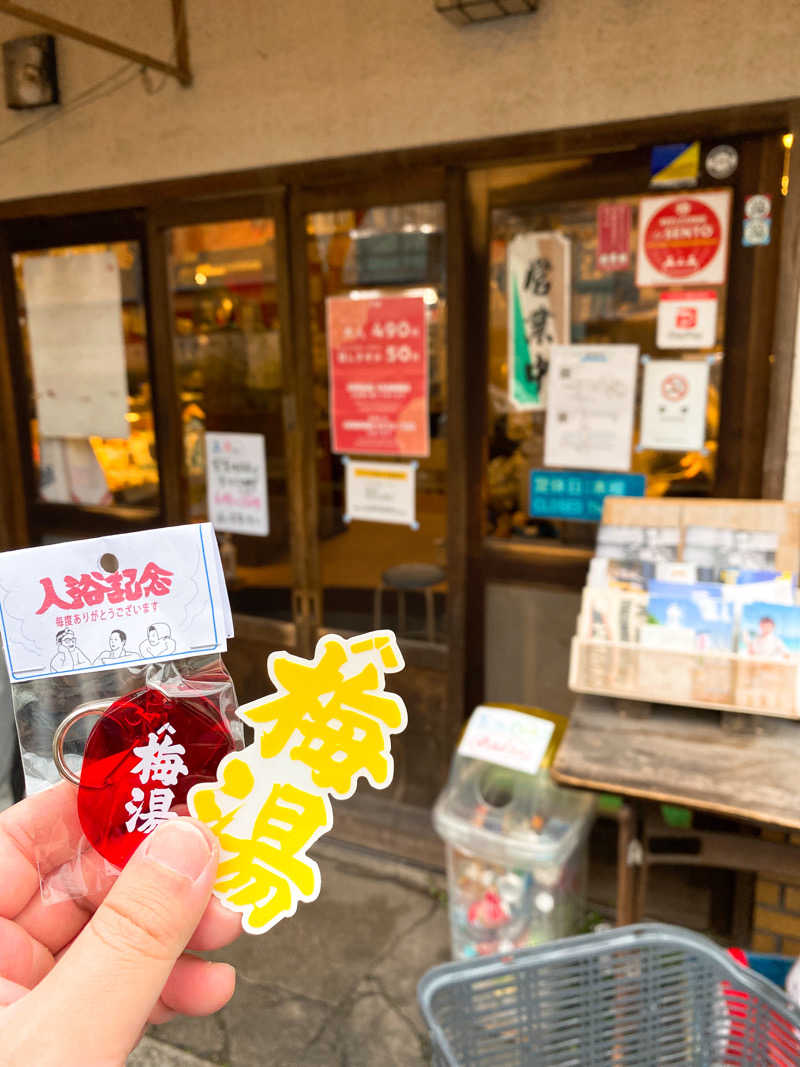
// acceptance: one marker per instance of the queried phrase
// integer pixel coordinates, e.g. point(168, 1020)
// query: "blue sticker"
point(578, 495)
point(756, 232)
point(674, 165)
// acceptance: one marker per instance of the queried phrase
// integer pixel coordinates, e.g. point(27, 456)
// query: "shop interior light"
point(466, 12)
point(788, 141)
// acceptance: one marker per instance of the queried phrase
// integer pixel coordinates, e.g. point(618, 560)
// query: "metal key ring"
point(91, 707)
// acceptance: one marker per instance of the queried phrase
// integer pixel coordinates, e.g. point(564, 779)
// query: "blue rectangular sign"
point(578, 495)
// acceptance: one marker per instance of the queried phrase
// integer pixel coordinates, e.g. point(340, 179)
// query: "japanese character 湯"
point(159, 803)
point(264, 876)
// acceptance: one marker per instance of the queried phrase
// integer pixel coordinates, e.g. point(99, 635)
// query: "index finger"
point(36, 835)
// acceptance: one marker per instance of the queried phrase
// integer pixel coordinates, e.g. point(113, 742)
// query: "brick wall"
point(776, 914)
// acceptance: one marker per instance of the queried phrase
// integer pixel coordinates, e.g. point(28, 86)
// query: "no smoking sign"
point(674, 388)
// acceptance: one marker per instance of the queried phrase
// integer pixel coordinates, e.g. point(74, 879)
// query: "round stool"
point(410, 578)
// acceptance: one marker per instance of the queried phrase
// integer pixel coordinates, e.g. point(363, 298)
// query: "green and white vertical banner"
point(539, 284)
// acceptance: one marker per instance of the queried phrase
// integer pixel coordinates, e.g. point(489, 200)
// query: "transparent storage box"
point(516, 857)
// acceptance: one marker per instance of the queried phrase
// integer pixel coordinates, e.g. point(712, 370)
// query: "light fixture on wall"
point(31, 78)
point(466, 12)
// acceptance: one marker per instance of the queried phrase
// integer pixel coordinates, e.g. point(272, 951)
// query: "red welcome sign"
point(683, 238)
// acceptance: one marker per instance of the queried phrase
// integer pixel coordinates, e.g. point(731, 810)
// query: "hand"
point(80, 979)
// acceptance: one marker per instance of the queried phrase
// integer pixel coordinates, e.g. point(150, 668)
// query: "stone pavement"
point(335, 986)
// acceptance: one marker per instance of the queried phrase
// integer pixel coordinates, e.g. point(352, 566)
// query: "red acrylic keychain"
point(143, 755)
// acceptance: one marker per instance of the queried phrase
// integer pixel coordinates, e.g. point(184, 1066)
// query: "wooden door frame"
point(745, 426)
point(28, 234)
point(366, 174)
point(392, 188)
point(270, 202)
point(13, 480)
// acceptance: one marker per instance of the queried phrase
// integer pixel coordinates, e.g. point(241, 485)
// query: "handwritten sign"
point(236, 483)
point(510, 738)
point(539, 279)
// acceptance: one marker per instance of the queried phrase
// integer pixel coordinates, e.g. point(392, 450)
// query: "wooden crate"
point(720, 681)
point(723, 681)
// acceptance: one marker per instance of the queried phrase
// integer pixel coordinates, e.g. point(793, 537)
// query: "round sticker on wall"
point(682, 238)
point(758, 206)
point(722, 161)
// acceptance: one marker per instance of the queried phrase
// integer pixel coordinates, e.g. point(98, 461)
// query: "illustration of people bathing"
point(116, 651)
point(159, 641)
point(68, 656)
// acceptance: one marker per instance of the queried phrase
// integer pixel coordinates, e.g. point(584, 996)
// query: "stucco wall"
point(301, 79)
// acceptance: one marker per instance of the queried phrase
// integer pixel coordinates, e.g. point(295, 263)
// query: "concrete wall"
point(285, 81)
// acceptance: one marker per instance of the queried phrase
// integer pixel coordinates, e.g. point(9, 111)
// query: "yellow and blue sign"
point(674, 165)
point(578, 495)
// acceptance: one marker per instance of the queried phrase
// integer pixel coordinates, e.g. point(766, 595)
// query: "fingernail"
point(181, 847)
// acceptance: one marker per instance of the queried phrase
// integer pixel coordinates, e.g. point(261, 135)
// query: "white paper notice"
point(687, 320)
point(64, 609)
point(674, 395)
point(74, 308)
point(381, 492)
point(69, 472)
point(236, 482)
point(589, 422)
point(510, 738)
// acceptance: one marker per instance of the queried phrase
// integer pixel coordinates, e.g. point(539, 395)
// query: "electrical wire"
point(99, 91)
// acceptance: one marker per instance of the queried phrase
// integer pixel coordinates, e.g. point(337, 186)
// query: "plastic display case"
point(516, 857)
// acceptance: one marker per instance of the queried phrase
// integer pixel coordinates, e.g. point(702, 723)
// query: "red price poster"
point(378, 364)
point(684, 238)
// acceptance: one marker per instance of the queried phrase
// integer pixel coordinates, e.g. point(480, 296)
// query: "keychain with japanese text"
point(133, 626)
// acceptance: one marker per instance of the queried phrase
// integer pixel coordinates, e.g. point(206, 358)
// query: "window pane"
point(228, 365)
point(120, 471)
point(383, 252)
point(607, 307)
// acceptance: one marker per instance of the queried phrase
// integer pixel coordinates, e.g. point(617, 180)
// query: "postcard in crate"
point(687, 624)
point(718, 548)
point(620, 574)
point(770, 631)
point(651, 544)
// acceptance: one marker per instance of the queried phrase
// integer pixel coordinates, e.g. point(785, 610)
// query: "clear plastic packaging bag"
point(69, 866)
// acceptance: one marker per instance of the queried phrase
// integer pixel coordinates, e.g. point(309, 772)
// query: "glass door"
point(378, 325)
point(226, 344)
point(224, 325)
point(91, 433)
point(373, 367)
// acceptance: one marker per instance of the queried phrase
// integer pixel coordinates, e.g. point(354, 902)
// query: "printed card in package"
point(123, 704)
point(120, 695)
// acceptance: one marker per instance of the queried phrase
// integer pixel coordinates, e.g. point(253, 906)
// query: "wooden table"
point(691, 759)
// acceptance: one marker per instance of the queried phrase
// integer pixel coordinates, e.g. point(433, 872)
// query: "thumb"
point(101, 992)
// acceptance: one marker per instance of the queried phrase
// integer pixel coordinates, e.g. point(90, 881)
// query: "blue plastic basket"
point(635, 997)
